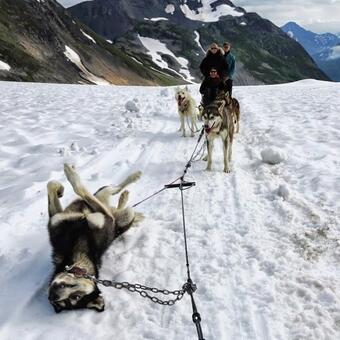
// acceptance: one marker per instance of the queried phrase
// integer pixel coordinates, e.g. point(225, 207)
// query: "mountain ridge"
point(41, 41)
point(274, 59)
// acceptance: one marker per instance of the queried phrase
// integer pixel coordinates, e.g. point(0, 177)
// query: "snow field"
point(263, 240)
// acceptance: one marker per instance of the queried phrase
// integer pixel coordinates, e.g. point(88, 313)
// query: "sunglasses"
point(214, 48)
point(213, 71)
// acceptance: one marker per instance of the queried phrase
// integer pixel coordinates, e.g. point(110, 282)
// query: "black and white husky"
point(79, 235)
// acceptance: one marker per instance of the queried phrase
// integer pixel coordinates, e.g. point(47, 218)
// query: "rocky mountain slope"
point(323, 48)
point(40, 41)
point(172, 36)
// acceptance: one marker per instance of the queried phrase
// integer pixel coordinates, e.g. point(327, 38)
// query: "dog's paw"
point(227, 170)
point(125, 195)
point(123, 199)
point(54, 186)
point(73, 177)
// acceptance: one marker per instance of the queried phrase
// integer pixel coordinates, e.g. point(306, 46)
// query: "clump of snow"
point(273, 155)
point(170, 9)
point(283, 191)
point(109, 41)
point(131, 106)
point(243, 23)
point(74, 146)
point(4, 66)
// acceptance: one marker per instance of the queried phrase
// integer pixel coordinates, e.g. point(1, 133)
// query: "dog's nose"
point(53, 296)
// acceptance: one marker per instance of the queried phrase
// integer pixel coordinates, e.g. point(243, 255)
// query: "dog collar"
point(76, 271)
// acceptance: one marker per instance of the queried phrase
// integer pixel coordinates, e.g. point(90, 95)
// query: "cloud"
point(335, 54)
point(318, 15)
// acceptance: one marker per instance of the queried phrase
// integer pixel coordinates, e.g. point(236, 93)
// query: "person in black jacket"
point(214, 59)
point(211, 86)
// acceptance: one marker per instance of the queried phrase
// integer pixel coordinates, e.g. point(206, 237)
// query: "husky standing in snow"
point(219, 120)
point(79, 236)
point(186, 109)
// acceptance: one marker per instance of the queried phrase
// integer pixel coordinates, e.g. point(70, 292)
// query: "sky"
point(319, 16)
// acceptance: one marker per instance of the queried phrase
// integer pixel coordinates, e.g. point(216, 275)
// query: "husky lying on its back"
point(79, 236)
point(186, 109)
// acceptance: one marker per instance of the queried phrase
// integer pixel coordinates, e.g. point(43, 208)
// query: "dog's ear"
point(221, 107)
point(227, 96)
point(97, 304)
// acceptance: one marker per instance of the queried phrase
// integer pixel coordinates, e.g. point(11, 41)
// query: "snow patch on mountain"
point(156, 19)
point(4, 66)
point(197, 39)
point(170, 9)
point(75, 59)
point(206, 13)
point(156, 49)
point(88, 36)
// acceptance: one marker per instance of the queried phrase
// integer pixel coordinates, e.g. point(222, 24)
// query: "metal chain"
point(142, 290)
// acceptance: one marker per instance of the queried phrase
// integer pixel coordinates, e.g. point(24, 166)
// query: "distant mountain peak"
point(323, 48)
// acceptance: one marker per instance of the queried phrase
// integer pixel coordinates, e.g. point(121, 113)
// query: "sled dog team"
point(81, 233)
point(221, 118)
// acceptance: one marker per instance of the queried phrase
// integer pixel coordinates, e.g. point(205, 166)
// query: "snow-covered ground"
point(263, 241)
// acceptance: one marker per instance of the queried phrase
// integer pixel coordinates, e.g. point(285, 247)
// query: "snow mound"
point(131, 106)
point(283, 191)
point(273, 155)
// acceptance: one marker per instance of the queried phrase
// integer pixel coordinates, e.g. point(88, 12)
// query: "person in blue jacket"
point(230, 60)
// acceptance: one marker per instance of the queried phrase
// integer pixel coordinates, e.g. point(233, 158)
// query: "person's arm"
point(231, 69)
point(203, 86)
point(203, 67)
